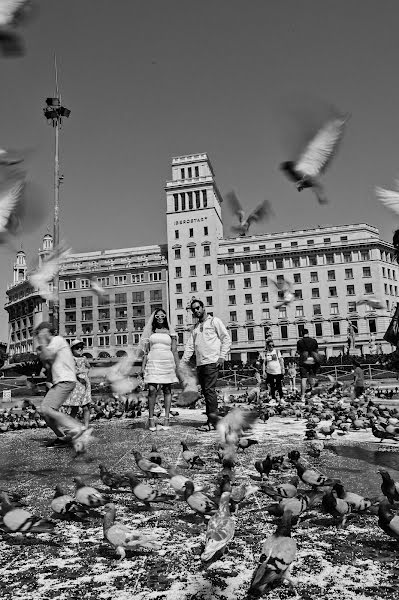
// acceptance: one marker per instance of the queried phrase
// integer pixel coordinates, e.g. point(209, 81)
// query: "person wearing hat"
point(81, 395)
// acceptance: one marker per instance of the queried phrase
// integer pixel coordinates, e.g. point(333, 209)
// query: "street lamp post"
point(54, 112)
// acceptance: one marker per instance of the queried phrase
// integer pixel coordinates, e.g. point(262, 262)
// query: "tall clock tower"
point(194, 228)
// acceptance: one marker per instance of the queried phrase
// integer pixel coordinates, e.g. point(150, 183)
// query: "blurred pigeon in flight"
point(286, 292)
point(41, 278)
point(315, 158)
point(260, 213)
point(11, 199)
point(12, 14)
point(97, 289)
point(373, 302)
point(389, 198)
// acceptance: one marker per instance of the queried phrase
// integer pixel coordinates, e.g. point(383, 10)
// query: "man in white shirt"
point(274, 364)
point(56, 351)
point(211, 343)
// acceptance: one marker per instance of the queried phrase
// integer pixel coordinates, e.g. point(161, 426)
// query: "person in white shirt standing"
point(211, 343)
point(275, 369)
point(56, 351)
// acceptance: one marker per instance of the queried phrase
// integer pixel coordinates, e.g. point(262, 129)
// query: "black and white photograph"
point(199, 329)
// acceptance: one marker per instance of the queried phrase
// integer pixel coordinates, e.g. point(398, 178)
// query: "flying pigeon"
point(11, 198)
point(313, 161)
point(119, 376)
point(40, 279)
point(373, 302)
point(97, 289)
point(261, 212)
point(286, 288)
point(389, 198)
point(12, 13)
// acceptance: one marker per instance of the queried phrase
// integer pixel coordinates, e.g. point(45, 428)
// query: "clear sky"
point(146, 80)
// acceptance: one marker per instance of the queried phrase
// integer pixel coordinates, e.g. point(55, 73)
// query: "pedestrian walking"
point(211, 342)
point(275, 369)
point(309, 364)
point(56, 351)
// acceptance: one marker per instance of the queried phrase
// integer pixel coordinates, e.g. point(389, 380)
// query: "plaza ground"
point(356, 563)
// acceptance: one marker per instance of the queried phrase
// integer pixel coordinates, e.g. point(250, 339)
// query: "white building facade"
point(330, 268)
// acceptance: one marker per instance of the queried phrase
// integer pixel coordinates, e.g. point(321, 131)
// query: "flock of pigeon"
point(220, 508)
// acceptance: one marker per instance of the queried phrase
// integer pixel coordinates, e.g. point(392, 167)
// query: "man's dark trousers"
point(207, 377)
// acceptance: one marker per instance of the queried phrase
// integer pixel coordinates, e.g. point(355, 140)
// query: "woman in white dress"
point(160, 362)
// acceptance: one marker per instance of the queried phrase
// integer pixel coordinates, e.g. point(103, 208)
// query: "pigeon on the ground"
point(389, 487)
point(113, 480)
point(191, 457)
point(198, 501)
point(22, 521)
point(220, 529)
point(388, 520)
point(147, 466)
point(278, 553)
point(88, 495)
point(146, 493)
point(122, 538)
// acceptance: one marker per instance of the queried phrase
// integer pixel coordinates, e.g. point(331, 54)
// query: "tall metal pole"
point(56, 230)
point(54, 113)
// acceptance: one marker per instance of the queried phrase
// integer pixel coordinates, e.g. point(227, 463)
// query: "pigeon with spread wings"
point(41, 278)
point(12, 14)
point(96, 287)
point(389, 198)
point(315, 158)
point(261, 212)
point(374, 303)
point(285, 291)
point(11, 199)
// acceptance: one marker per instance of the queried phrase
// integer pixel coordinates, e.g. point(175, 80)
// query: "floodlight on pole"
point(54, 112)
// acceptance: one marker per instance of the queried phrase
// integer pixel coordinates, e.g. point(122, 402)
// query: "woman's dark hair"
point(198, 301)
point(155, 322)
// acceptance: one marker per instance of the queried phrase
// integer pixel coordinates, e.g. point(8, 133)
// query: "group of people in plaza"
point(210, 343)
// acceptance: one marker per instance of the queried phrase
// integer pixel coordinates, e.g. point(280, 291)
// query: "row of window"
point(121, 339)
point(122, 298)
point(295, 262)
point(105, 313)
point(282, 312)
point(193, 271)
point(104, 327)
point(318, 330)
point(191, 252)
point(208, 302)
point(190, 232)
point(294, 244)
point(315, 293)
point(193, 287)
point(388, 273)
point(129, 278)
point(314, 278)
point(190, 200)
